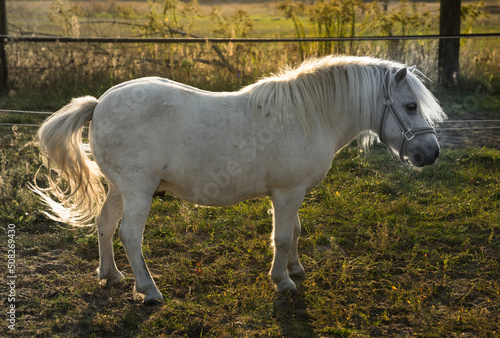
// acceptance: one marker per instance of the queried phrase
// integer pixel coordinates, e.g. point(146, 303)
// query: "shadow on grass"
point(105, 315)
point(290, 311)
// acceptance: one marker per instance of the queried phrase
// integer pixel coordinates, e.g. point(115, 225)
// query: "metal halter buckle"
point(408, 135)
point(388, 101)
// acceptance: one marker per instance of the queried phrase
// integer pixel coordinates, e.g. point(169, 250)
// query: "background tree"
point(449, 49)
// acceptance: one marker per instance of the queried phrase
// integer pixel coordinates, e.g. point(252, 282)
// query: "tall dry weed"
point(58, 71)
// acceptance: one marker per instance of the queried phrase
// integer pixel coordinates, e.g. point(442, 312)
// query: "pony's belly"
point(213, 193)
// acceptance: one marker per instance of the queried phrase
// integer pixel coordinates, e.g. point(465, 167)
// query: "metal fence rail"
point(72, 39)
point(445, 125)
point(450, 133)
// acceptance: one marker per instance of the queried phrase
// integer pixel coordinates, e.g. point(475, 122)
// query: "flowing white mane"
point(323, 88)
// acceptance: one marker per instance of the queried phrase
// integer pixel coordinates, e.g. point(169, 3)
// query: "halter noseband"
point(407, 133)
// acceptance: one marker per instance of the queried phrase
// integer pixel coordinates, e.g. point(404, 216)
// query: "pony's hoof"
point(115, 280)
point(285, 285)
point(110, 278)
point(150, 298)
point(153, 301)
point(298, 273)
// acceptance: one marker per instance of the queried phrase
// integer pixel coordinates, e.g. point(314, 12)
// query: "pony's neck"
point(348, 129)
point(350, 126)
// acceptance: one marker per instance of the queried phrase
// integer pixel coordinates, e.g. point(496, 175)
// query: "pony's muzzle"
point(422, 158)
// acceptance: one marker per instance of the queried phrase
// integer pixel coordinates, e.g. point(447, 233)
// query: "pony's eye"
point(411, 107)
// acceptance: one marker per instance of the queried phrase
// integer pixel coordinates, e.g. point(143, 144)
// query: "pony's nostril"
point(417, 159)
point(436, 154)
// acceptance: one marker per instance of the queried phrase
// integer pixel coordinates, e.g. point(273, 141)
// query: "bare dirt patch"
point(478, 131)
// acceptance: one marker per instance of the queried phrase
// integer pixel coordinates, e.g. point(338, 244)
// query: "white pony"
point(274, 138)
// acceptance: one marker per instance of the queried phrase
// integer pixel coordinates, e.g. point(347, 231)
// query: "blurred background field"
point(43, 76)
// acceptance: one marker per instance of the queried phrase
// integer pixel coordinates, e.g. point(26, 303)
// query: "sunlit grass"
point(388, 250)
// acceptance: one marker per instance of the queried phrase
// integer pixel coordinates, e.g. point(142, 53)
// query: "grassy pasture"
point(388, 250)
point(33, 16)
point(268, 20)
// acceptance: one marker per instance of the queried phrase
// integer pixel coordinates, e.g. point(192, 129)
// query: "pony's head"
point(408, 113)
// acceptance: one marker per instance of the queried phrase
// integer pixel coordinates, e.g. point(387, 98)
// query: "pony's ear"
point(412, 69)
point(400, 75)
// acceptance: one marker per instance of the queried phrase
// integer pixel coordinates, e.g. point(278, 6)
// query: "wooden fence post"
point(3, 57)
point(449, 49)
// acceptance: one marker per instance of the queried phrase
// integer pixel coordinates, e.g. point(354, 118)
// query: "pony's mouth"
point(421, 159)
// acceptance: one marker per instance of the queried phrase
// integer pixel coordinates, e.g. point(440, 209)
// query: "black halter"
point(408, 133)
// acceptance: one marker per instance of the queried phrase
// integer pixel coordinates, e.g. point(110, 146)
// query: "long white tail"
point(80, 192)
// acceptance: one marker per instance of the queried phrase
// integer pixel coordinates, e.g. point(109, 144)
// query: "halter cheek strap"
point(407, 133)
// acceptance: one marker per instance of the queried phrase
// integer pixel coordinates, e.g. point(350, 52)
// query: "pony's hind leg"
point(286, 205)
point(107, 223)
point(135, 213)
point(295, 269)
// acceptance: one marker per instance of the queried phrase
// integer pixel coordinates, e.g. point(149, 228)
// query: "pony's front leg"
point(135, 214)
point(286, 205)
point(107, 223)
point(295, 269)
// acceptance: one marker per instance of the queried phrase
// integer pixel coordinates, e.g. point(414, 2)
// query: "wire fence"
point(72, 39)
point(129, 57)
point(450, 133)
point(56, 52)
point(442, 126)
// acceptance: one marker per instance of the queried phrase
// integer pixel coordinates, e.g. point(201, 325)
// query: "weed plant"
point(17, 204)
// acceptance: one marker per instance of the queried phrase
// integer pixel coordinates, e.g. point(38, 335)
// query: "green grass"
point(388, 251)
